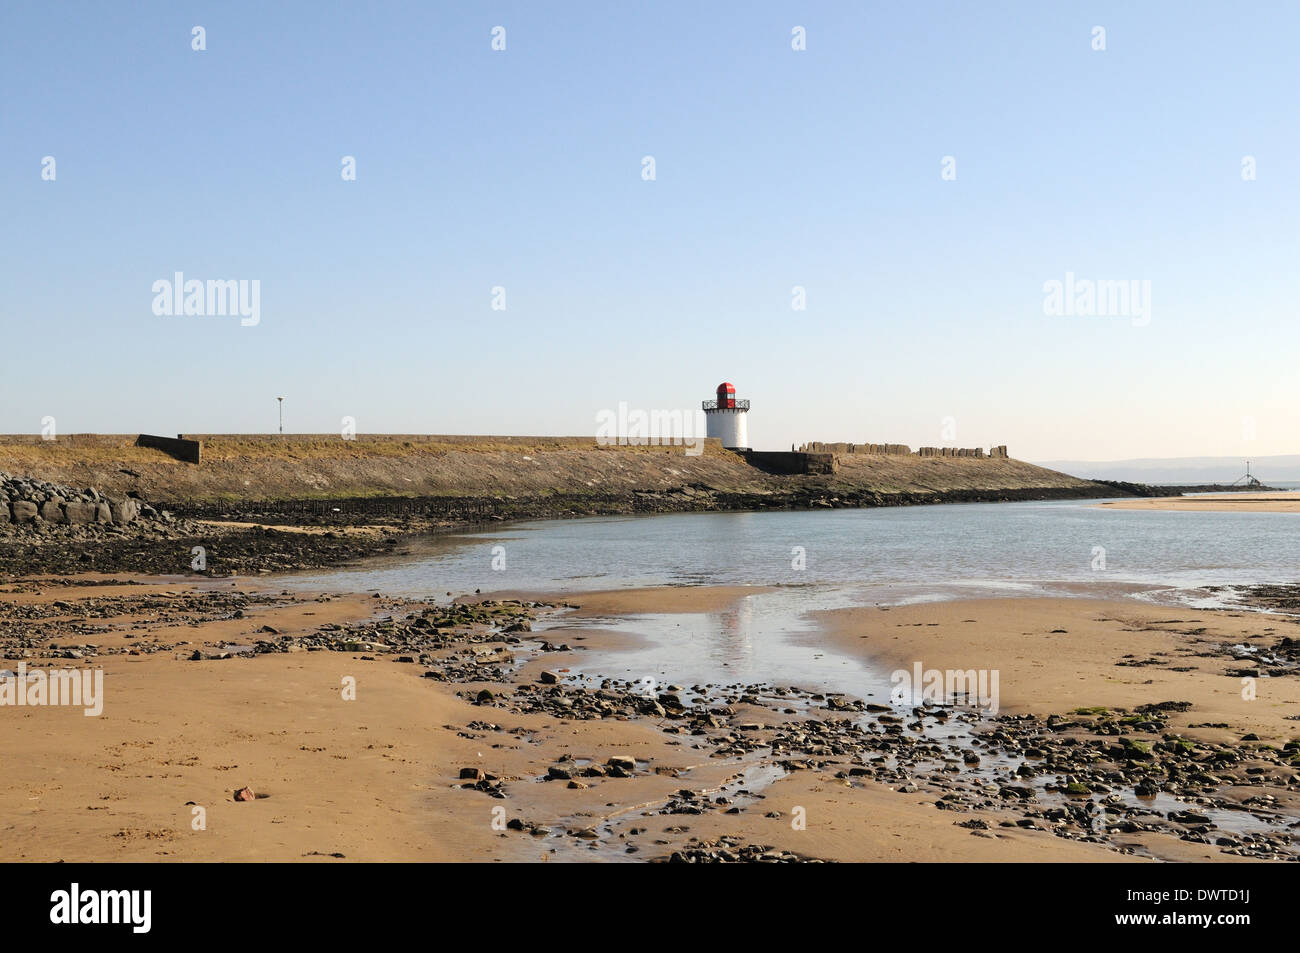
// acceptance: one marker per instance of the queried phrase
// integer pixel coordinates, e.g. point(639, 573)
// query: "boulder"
point(4, 509)
point(126, 511)
point(24, 511)
point(103, 512)
point(52, 511)
point(79, 513)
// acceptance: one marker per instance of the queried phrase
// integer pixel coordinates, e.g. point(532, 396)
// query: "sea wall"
point(817, 446)
point(998, 453)
point(902, 449)
point(522, 475)
point(188, 451)
point(791, 463)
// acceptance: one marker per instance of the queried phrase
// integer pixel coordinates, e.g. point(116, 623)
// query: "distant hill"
point(1271, 470)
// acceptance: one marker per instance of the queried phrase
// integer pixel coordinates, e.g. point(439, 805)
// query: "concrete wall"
point(950, 452)
point(796, 463)
point(902, 449)
point(818, 446)
point(190, 451)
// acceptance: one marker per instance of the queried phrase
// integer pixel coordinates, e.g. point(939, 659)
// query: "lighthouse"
point(725, 418)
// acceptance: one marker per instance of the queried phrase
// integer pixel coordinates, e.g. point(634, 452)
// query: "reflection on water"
point(756, 640)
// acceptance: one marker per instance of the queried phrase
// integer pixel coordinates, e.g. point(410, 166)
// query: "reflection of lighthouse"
point(725, 418)
point(736, 626)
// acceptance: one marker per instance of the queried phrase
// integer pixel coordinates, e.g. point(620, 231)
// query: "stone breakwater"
point(37, 503)
point(55, 528)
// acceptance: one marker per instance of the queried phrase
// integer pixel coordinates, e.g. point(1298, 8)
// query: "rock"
point(1014, 792)
point(103, 512)
point(650, 706)
point(24, 511)
point(51, 511)
point(355, 646)
point(548, 678)
point(127, 511)
point(471, 774)
point(623, 762)
point(79, 513)
point(245, 794)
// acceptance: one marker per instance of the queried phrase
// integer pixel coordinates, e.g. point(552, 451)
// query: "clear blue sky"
point(775, 168)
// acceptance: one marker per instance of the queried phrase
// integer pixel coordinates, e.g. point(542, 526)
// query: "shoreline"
point(276, 537)
point(1244, 502)
point(381, 779)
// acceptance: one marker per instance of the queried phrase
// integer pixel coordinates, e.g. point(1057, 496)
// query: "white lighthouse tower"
point(725, 418)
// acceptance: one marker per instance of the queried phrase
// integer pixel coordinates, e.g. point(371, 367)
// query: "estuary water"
point(893, 555)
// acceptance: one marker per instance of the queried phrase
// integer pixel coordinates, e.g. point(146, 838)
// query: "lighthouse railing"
point(727, 405)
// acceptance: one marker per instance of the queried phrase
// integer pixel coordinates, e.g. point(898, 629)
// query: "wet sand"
point(1214, 503)
point(379, 777)
point(1054, 655)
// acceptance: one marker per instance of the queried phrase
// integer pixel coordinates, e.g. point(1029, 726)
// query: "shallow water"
point(898, 553)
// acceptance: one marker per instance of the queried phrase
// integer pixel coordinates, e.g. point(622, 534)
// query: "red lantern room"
point(726, 395)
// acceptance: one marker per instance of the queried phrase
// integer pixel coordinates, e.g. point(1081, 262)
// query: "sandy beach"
point(427, 767)
point(1213, 503)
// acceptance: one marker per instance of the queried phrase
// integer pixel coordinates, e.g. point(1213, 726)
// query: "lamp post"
point(281, 400)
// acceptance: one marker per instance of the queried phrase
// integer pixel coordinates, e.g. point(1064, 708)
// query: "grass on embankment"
point(323, 466)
